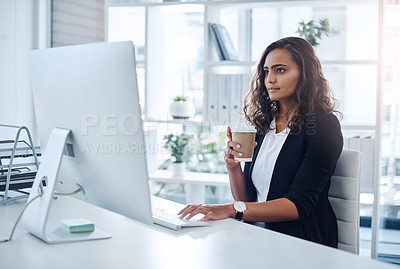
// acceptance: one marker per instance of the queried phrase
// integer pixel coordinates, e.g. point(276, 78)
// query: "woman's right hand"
point(230, 151)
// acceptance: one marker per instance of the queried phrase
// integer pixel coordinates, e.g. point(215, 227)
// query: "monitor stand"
point(36, 214)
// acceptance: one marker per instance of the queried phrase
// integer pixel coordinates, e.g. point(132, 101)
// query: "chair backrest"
point(344, 196)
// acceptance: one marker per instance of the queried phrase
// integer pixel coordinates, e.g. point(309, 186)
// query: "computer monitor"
point(92, 90)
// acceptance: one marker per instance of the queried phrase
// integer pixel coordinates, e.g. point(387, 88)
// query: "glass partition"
point(388, 248)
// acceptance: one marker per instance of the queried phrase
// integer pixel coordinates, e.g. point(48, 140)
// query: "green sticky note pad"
point(77, 225)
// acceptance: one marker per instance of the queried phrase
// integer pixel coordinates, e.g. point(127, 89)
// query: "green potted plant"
point(208, 153)
point(313, 31)
point(178, 146)
point(181, 108)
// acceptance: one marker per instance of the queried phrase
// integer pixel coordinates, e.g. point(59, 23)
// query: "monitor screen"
point(92, 90)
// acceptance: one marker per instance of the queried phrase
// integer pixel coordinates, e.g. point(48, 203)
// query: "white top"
point(266, 159)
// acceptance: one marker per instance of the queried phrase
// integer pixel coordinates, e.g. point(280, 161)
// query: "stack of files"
point(18, 180)
point(223, 42)
point(225, 97)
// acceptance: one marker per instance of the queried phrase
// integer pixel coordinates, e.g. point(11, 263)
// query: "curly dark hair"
point(312, 96)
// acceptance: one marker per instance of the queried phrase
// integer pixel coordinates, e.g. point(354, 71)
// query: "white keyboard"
point(172, 221)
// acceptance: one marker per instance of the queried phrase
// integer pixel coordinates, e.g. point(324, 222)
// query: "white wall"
point(8, 93)
point(19, 33)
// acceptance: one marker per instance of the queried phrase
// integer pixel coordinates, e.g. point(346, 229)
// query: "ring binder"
point(224, 45)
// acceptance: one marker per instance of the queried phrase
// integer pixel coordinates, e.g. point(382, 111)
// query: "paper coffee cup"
point(244, 134)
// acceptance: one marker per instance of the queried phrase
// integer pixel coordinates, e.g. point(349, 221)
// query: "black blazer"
point(302, 174)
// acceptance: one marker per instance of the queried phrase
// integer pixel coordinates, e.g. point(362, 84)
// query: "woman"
point(299, 140)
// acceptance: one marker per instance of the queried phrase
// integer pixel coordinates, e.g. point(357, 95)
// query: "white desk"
point(195, 183)
point(224, 244)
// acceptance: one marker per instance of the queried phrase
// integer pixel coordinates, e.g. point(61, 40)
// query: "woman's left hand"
point(211, 212)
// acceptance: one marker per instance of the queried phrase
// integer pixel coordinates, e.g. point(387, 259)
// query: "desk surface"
point(223, 244)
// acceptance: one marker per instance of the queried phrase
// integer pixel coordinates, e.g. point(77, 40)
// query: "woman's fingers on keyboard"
point(196, 211)
point(182, 210)
point(210, 212)
point(208, 216)
point(218, 212)
point(187, 211)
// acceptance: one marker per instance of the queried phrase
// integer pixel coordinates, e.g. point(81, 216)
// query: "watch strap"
point(239, 215)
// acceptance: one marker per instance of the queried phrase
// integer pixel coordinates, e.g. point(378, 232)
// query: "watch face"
point(239, 206)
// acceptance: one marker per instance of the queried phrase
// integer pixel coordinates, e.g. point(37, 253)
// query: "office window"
point(348, 55)
point(175, 64)
point(389, 225)
point(356, 95)
point(128, 23)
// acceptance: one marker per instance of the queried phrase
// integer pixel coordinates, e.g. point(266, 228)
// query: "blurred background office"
point(176, 55)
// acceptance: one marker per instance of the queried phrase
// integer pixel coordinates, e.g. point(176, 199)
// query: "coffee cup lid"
point(243, 126)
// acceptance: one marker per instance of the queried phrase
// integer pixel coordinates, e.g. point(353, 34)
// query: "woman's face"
point(281, 76)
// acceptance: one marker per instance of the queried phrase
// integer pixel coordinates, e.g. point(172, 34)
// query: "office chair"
point(344, 196)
